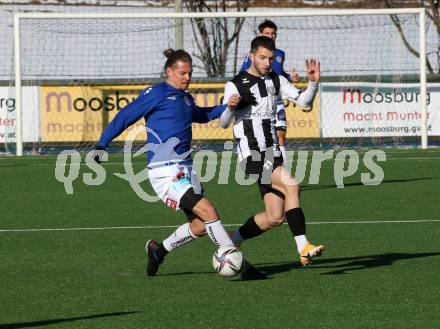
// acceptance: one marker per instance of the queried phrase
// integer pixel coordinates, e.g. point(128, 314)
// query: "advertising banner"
point(29, 114)
point(209, 94)
point(79, 113)
point(303, 122)
point(358, 109)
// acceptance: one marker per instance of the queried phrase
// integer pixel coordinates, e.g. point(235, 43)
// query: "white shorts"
point(280, 116)
point(170, 181)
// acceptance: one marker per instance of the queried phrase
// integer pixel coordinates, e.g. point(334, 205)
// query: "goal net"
point(74, 72)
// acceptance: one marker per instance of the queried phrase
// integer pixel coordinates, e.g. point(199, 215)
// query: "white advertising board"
point(30, 117)
point(357, 109)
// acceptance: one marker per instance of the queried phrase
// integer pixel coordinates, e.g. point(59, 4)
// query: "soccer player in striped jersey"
point(169, 111)
point(269, 29)
point(258, 150)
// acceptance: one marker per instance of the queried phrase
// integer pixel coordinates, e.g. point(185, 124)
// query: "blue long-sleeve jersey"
point(277, 65)
point(168, 113)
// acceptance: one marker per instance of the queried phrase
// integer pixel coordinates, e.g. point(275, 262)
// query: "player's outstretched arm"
point(313, 68)
point(305, 98)
point(206, 114)
point(231, 100)
point(130, 114)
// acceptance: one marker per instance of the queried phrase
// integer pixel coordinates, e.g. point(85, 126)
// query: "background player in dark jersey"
point(269, 29)
point(257, 150)
point(169, 111)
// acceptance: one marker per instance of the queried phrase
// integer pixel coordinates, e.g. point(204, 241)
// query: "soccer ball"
point(227, 261)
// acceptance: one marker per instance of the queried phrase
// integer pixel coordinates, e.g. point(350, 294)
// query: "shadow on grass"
point(385, 181)
point(365, 262)
point(185, 273)
point(235, 278)
point(345, 265)
point(342, 265)
point(61, 320)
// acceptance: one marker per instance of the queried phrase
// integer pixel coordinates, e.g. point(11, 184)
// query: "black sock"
point(296, 220)
point(250, 229)
point(160, 252)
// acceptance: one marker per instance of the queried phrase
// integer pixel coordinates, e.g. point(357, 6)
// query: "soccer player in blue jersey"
point(169, 111)
point(269, 29)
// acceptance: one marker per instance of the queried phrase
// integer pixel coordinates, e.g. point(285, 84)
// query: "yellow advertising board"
point(209, 94)
point(79, 113)
point(303, 122)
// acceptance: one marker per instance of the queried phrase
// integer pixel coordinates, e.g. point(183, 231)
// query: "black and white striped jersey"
point(254, 125)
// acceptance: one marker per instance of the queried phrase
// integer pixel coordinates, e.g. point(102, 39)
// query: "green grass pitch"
point(381, 268)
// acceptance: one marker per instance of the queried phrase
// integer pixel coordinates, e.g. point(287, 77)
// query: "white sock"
point(218, 234)
point(237, 238)
point(283, 152)
point(180, 237)
point(301, 242)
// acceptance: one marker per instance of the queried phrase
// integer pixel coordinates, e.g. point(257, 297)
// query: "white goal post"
point(19, 45)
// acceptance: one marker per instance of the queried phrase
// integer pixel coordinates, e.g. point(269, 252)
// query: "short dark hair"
point(262, 41)
point(174, 56)
point(267, 23)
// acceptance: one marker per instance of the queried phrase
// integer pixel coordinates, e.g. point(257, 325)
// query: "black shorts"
point(263, 168)
point(189, 200)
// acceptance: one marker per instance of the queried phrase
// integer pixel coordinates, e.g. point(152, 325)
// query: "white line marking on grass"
point(377, 221)
point(228, 225)
point(426, 158)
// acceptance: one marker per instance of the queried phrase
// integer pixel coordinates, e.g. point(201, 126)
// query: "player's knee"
point(197, 228)
point(206, 210)
point(275, 218)
point(292, 189)
point(211, 213)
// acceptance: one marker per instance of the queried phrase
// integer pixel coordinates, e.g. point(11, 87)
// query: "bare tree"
point(432, 11)
point(214, 37)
